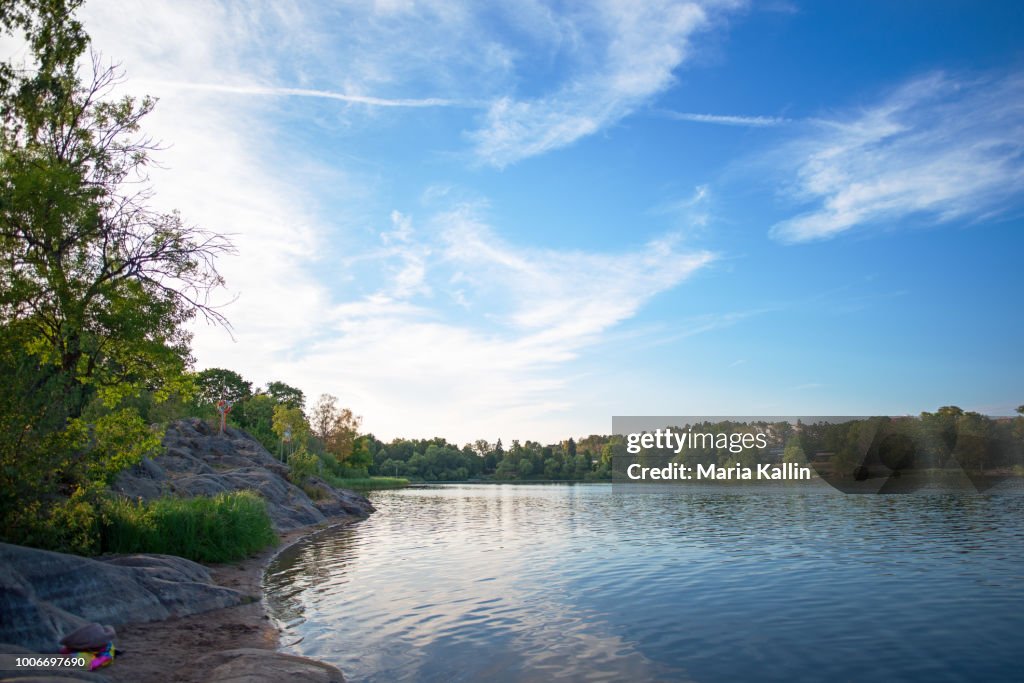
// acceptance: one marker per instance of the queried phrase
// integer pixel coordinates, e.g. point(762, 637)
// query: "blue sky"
point(519, 219)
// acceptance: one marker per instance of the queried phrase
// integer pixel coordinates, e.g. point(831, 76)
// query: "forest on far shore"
point(328, 442)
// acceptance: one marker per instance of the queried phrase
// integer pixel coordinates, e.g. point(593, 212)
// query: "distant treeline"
point(331, 434)
point(948, 438)
point(438, 460)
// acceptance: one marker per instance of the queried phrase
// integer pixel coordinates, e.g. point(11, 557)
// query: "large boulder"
point(45, 595)
point(333, 502)
point(197, 460)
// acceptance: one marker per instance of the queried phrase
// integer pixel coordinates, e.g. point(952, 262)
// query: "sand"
point(168, 650)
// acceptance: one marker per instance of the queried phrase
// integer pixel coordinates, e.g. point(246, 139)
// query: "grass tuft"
point(222, 528)
point(364, 483)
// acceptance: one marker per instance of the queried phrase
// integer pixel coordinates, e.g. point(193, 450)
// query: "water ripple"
point(595, 583)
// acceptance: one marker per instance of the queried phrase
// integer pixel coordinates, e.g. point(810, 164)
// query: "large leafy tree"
point(95, 285)
point(215, 384)
point(337, 429)
point(286, 395)
point(104, 281)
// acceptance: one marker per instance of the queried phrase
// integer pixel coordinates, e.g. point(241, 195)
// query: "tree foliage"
point(95, 285)
point(794, 452)
point(215, 384)
point(438, 460)
point(290, 423)
point(287, 394)
point(105, 281)
point(336, 428)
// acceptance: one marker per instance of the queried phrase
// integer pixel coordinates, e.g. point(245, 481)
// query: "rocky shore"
point(176, 620)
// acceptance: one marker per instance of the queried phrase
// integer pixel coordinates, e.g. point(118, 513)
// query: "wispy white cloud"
point(728, 120)
point(407, 259)
point(626, 53)
point(550, 298)
point(500, 359)
point(222, 171)
point(544, 75)
point(691, 215)
point(702, 324)
point(434, 324)
point(941, 147)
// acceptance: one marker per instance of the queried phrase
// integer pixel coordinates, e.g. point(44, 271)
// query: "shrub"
point(342, 469)
point(73, 526)
point(303, 465)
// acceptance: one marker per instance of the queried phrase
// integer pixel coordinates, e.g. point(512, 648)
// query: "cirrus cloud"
point(941, 147)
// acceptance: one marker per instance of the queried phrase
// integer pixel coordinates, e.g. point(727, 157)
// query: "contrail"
point(756, 121)
point(323, 94)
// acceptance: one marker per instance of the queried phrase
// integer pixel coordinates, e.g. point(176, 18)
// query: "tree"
point(615, 448)
point(974, 442)
point(940, 429)
point(343, 435)
point(481, 447)
point(336, 428)
point(290, 422)
point(287, 394)
point(897, 451)
point(506, 470)
point(215, 384)
point(794, 452)
point(256, 415)
point(324, 416)
point(361, 457)
point(95, 285)
point(106, 281)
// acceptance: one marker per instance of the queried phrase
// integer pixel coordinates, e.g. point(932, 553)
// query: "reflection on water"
point(602, 583)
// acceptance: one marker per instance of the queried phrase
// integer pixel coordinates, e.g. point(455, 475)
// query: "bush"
point(303, 465)
point(228, 526)
point(343, 469)
point(73, 526)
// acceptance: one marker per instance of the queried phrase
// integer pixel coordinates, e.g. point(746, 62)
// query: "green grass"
point(364, 483)
point(226, 527)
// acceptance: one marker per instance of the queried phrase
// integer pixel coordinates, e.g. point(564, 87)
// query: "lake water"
point(615, 583)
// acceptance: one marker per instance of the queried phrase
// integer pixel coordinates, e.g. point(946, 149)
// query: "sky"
point(519, 219)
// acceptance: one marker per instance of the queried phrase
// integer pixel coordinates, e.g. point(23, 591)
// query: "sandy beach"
point(173, 650)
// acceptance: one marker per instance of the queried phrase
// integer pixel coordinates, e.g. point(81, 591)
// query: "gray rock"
point(248, 665)
point(198, 461)
point(333, 502)
point(12, 649)
point(45, 595)
point(51, 677)
point(288, 506)
point(166, 567)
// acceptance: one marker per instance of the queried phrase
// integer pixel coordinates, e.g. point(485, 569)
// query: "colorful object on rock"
point(93, 659)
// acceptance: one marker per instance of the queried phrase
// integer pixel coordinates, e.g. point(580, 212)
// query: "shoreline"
point(175, 649)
